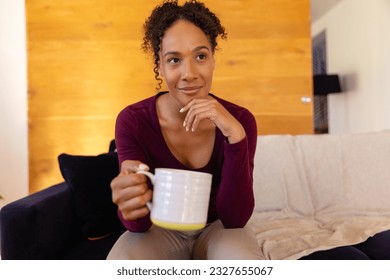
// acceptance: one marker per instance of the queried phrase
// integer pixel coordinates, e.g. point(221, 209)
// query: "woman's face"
point(186, 62)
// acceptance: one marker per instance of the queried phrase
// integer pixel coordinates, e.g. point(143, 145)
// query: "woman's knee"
point(221, 243)
point(156, 244)
point(131, 246)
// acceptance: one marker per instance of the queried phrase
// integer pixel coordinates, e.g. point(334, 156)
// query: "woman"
point(185, 128)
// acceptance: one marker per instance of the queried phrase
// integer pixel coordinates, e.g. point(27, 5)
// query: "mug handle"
point(152, 179)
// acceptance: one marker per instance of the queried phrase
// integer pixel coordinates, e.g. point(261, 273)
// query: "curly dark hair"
point(169, 12)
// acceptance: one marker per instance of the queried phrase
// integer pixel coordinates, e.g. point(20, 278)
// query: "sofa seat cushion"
point(92, 249)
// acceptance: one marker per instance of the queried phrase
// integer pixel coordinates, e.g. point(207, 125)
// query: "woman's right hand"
point(130, 191)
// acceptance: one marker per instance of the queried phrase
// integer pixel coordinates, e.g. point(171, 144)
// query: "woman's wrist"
point(237, 135)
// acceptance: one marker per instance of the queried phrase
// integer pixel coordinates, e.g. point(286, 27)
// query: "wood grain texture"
point(85, 64)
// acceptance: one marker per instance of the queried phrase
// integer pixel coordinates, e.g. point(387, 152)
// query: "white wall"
point(13, 102)
point(358, 48)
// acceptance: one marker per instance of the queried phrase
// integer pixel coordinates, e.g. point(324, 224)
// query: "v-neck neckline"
point(161, 135)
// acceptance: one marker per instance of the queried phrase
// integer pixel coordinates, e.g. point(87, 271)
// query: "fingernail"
point(181, 110)
point(184, 123)
point(187, 129)
point(142, 167)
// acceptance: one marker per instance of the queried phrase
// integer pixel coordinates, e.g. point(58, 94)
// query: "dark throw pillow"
point(112, 147)
point(90, 178)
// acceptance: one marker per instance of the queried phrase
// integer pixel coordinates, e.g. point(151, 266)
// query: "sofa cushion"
point(92, 249)
point(90, 178)
point(278, 178)
point(348, 172)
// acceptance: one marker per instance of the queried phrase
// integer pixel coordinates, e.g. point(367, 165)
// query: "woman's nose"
point(189, 70)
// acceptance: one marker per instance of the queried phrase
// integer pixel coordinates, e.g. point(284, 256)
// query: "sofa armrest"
point(37, 226)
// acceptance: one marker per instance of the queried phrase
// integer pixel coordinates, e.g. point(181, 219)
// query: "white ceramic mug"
point(180, 198)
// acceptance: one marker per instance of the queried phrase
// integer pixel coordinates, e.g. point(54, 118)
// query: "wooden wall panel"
point(85, 64)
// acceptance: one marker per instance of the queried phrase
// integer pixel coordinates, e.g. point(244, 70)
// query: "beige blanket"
point(315, 192)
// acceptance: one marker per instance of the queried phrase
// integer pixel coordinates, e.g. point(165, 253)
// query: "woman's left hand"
point(210, 109)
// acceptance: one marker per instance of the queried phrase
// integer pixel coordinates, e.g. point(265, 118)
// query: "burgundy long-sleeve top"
point(138, 136)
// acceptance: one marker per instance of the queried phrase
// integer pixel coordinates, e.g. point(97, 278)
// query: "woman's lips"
point(189, 90)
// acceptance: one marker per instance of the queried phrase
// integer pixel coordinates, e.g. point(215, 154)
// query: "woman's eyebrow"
point(171, 53)
point(200, 48)
point(178, 53)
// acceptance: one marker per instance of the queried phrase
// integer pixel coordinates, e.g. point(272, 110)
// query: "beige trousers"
point(213, 243)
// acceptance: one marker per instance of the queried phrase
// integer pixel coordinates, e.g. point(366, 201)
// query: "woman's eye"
point(201, 57)
point(173, 60)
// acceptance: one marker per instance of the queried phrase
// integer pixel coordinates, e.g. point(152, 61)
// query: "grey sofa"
point(74, 219)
